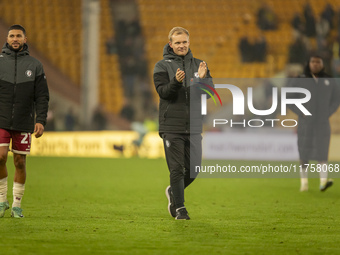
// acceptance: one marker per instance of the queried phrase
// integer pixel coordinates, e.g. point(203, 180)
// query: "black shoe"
point(171, 204)
point(182, 214)
point(327, 185)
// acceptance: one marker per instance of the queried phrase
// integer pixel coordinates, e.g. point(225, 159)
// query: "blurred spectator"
point(245, 49)
point(121, 28)
point(266, 18)
point(298, 52)
point(328, 15)
point(99, 120)
point(253, 51)
point(111, 47)
point(70, 120)
point(322, 31)
point(310, 30)
point(142, 66)
point(138, 46)
point(297, 24)
point(125, 47)
point(130, 48)
point(325, 51)
point(260, 49)
point(150, 124)
point(129, 72)
point(127, 112)
point(133, 28)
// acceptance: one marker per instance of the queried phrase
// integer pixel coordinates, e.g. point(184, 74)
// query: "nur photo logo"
point(209, 93)
point(238, 104)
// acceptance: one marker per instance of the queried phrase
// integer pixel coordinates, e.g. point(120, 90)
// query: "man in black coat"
point(24, 100)
point(179, 126)
point(314, 130)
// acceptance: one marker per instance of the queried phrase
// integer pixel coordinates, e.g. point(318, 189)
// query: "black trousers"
point(183, 152)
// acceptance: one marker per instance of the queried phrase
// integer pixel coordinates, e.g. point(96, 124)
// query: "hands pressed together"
point(202, 72)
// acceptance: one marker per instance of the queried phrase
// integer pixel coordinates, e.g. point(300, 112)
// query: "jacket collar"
point(8, 51)
point(168, 53)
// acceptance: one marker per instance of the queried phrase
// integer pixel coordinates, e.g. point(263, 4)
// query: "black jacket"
point(23, 91)
point(314, 130)
point(176, 113)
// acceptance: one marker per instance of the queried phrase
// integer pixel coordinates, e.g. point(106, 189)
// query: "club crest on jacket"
point(28, 73)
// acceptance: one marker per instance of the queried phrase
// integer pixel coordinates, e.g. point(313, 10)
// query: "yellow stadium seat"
point(54, 27)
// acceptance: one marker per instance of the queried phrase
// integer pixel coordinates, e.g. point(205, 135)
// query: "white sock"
point(3, 190)
point(324, 174)
point(303, 173)
point(18, 192)
point(304, 182)
point(304, 177)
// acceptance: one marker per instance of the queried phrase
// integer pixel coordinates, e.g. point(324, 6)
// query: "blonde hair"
point(177, 31)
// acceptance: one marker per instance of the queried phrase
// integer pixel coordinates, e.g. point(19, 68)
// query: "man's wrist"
point(176, 81)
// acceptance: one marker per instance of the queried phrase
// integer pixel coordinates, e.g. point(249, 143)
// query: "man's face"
point(315, 65)
point(16, 39)
point(180, 44)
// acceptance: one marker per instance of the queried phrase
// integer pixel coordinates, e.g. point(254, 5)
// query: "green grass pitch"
point(118, 206)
